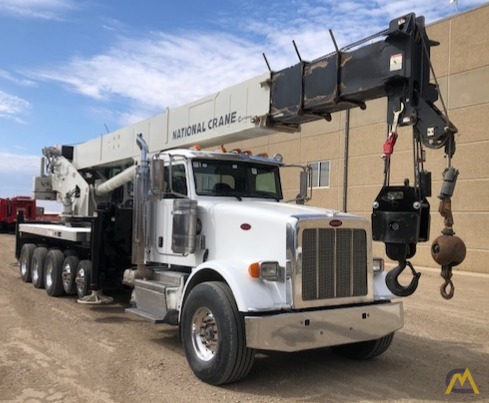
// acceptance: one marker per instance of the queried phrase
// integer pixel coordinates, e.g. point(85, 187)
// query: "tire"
point(364, 350)
point(68, 274)
point(52, 273)
point(213, 335)
point(37, 266)
point(25, 260)
point(83, 278)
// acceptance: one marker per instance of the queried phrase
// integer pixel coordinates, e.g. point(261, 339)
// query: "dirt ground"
point(55, 350)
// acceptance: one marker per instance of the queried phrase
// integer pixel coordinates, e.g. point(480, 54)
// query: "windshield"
point(238, 179)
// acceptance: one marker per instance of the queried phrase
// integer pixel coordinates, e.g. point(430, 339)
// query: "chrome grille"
point(334, 263)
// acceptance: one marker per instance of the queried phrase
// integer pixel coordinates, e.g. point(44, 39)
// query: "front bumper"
point(306, 330)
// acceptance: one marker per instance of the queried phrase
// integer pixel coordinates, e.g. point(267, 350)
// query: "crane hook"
point(393, 284)
point(447, 289)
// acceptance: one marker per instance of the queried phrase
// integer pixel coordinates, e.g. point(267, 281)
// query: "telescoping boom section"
point(233, 114)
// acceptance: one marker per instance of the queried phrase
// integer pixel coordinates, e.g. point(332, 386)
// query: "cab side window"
point(178, 185)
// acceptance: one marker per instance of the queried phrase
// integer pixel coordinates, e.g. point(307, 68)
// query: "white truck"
point(205, 238)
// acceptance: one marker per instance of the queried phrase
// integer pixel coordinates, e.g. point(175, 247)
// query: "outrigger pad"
point(96, 298)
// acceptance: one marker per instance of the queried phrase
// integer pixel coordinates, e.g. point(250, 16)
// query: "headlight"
point(267, 270)
point(378, 265)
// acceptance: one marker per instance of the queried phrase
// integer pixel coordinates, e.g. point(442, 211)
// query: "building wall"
point(461, 65)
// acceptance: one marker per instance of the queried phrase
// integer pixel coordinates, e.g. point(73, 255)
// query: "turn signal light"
point(254, 270)
point(378, 265)
point(267, 270)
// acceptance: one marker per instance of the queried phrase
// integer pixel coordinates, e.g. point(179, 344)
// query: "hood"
point(254, 229)
point(271, 211)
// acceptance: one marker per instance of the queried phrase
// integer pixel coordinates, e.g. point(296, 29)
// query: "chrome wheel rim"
point(35, 271)
point(205, 335)
point(80, 281)
point(49, 275)
point(66, 276)
point(23, 267)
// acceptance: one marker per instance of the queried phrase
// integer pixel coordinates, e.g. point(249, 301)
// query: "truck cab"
point(208, 181)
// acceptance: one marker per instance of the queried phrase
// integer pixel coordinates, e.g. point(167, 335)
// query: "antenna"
point(106, 128)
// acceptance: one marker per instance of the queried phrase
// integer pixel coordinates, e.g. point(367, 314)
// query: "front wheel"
point(213, 335)
point(364, 350)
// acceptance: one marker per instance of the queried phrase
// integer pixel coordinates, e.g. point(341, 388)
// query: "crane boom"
point(398, 68)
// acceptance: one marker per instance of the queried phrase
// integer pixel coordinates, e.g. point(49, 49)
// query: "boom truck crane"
point(204, 237)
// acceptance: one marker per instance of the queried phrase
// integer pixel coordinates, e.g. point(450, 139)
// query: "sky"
point(72, 69)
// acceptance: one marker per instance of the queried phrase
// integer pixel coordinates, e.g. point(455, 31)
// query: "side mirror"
point(304, 194)
point(157, 179)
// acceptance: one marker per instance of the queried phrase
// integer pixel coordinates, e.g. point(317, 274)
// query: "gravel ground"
point(55, 350)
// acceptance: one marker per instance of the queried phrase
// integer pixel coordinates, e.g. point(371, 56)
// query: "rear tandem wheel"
point(37, 266)
point(68, 274)
point(25, 260)
point(52, 272)
point(83, 278)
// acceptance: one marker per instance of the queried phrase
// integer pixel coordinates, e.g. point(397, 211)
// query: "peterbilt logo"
point(336, 223)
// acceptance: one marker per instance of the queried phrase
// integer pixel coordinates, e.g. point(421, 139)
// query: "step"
point(145, 315)
point(150, 297)
point(169, 278)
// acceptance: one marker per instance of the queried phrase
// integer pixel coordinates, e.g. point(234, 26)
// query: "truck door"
point(176, 181)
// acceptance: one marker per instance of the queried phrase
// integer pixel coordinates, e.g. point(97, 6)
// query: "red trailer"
point(10, 207)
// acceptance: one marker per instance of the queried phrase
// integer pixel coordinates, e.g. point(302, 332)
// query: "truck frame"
point(205, 239)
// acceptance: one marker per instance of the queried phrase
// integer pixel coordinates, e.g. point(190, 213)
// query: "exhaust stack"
point(140, 212)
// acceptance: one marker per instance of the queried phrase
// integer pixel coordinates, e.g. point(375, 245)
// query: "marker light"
point(278, 157)
point(267, 270)
point(378, 265)
point(196, 147)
